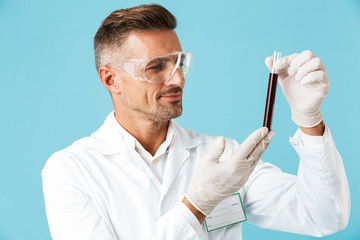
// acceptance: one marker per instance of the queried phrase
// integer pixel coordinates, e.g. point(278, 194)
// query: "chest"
point(128, 194)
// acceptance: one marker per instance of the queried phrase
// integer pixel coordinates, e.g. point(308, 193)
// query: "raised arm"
point(315, 202)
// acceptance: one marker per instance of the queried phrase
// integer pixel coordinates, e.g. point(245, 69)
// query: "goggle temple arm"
point(133, 68)
point(138, 70)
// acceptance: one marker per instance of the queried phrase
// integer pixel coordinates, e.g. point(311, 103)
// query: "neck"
point(150, 134)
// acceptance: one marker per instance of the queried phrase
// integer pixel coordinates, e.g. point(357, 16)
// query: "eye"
point(182, 65)
point(156, 64)
point(182, 60)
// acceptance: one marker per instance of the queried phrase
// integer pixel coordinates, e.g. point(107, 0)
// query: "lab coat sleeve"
point(316, 202)
point(72, 215)
point(173, 225)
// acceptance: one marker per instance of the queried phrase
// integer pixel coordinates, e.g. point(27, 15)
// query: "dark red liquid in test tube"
point(270, 100)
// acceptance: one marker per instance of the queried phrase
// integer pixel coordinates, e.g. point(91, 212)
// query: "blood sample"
point(271, 93)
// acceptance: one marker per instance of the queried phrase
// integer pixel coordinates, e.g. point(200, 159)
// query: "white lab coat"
point(100, 188)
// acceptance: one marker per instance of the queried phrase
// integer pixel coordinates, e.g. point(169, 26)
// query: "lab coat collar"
point(186, 137)
point(107, 140)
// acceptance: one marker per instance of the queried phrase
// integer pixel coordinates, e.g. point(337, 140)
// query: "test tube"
point(271, 93)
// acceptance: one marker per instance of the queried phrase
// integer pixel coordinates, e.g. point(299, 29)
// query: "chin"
point(177, 115)
point(168, 114)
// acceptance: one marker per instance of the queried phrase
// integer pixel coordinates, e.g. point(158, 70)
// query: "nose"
point(176, 79)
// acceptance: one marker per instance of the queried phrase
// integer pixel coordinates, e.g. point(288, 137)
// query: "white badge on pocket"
point(228, 212)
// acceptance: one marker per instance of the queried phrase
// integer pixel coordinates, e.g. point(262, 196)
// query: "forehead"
point(150, 43)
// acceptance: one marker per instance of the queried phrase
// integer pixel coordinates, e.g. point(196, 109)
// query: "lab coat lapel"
point(176, 159)
point(108, 141)
point(179, 153)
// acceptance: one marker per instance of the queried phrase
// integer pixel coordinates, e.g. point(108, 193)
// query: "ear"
point(107, 77)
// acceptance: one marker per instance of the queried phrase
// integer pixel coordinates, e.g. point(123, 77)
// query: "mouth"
point(172, 96)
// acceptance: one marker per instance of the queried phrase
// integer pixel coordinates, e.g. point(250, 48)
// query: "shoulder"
point(80, 150)
point(64, 159)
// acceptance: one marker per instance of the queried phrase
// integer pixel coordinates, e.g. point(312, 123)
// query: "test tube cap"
point(276, 57)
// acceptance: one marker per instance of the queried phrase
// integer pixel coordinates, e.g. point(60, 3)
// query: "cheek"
point(151, 96)
point(143, 94)
point(140, 93)
point(129, 92)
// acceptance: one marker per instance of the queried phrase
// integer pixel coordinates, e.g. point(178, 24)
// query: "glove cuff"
point(194, 204)
point(307, 121)
point(200, 201)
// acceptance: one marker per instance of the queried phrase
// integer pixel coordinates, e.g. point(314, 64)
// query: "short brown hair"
point(115, 28)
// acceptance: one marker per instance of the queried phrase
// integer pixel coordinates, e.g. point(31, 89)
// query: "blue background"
point(50, 94)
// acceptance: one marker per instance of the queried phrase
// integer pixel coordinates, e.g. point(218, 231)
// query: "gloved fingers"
point(281, 64)
point(261, 147)
point(308, 67)
point(318, 82)
point(255, 156)
point(249, 144)
point(299, 60)
point(315, 76)
point(269, 62)
point(253, 164)
point(216, 149)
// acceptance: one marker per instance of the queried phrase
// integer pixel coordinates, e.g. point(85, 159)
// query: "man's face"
point(156, 102)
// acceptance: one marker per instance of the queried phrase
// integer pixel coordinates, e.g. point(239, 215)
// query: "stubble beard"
point(159, 113)
point(168, 110)
point(165, 113)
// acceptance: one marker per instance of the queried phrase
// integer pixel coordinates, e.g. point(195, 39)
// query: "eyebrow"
point(163, 59)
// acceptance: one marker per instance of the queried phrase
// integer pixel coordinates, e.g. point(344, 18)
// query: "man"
point(142, 176)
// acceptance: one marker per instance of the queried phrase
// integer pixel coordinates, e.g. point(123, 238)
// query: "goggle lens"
point(163, 68)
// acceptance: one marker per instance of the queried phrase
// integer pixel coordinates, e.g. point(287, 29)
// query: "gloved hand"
point(305, 84)
point(214, 181)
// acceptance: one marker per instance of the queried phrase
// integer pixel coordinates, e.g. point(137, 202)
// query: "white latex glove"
point(305, 84)
point(214, 181)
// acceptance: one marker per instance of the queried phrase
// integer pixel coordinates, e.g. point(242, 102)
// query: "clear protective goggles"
point(157, 69)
